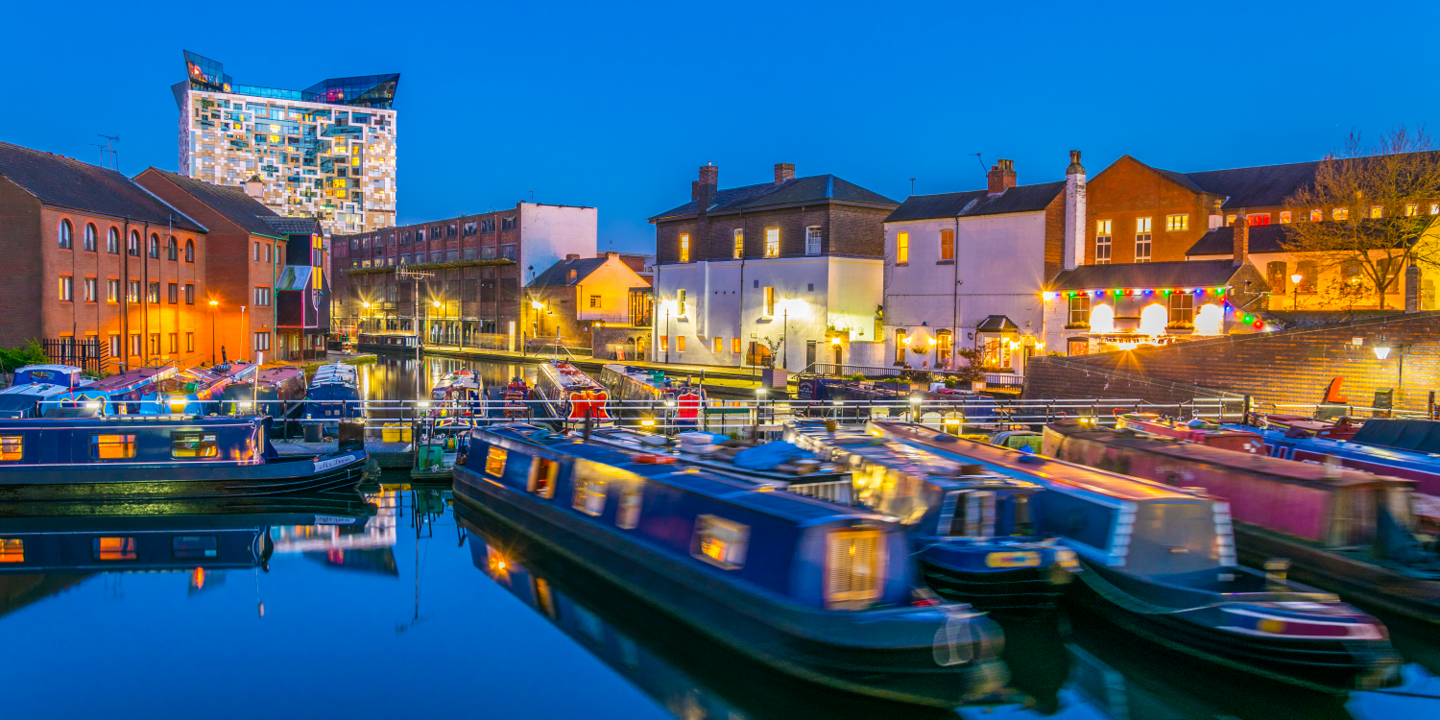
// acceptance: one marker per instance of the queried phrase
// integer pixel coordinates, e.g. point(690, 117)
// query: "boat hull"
point(1035, 588)
point(171, 481)
point(776, 634)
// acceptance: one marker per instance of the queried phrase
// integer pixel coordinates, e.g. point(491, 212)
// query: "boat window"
point(854, 567)
point(1022, 523)
point(12, 448)
point(589, 495)
point(629, 515)
point(495, 461)
point(113, 548)
point(195, 546)
point(974, 515)
point(112, 447)
point(720, 542)
point(193, 445)
point(543, 472)
point(12, 550)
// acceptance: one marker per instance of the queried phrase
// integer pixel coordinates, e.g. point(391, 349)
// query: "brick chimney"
point(1001, 176)
point(1242, 238)
point(1074, 213)
point(572, 256)
point(708, 186)
point(255, 187)
point(694, 189)
point(783, 172)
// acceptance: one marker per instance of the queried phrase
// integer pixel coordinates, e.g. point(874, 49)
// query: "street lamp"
point(213, 303)
point(1295, 285)
point(785, 334)
point(436, 304)
point(539, 308)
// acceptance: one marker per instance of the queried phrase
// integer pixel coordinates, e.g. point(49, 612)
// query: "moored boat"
point(639, 394)
point(1160, 562)
point(122, 393)
point(276, 391)
point(36, 386)
point(333, 394)
point(1197, 430)
point(805, 587)
point(1344, 530)
point(973, 531)
point(572, 396)
point(459, 392)
point(194, 390)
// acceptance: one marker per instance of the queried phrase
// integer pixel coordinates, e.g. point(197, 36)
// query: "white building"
point(795, 264)
point(967, 269)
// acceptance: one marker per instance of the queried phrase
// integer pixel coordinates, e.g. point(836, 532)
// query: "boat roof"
point(568, 375)
point(122, 421)
point(1421, 436)
point(35, 391)
point(796, 508)
point(132, 378)
point(902, 458)
point(1053, 472)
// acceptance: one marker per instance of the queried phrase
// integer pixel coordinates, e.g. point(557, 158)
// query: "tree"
point(1375, 204)
point(28, 354)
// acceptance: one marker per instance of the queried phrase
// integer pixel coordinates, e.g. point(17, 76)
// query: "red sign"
point(591, 402)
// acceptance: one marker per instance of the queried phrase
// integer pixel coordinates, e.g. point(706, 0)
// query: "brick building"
point(245, 258)
point(576, 296)
point(479, 263)
point(93, 259)
point(738, 269)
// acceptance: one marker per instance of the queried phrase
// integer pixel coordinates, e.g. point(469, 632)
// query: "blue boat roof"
point(912, 461)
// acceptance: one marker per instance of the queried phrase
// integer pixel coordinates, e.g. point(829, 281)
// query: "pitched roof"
point(68, 183)
point(1264, 186)
point(231, 202)
point(558, 274)
point(813, 189)
point(1021, 198)
point(1181, 273)
point(293, 225)
point(1221, 241)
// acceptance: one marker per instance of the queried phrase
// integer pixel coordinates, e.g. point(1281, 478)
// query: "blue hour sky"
point(615, 105)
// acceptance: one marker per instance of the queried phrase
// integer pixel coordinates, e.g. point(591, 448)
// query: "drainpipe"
point(955, 295)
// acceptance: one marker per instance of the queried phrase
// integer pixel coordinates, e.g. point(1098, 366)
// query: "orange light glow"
point(12, 550)
point(114, 548)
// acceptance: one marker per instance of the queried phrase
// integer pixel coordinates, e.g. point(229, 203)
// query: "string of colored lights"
point(1219, 292)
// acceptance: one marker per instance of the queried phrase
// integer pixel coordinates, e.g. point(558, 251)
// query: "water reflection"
point(393, 377)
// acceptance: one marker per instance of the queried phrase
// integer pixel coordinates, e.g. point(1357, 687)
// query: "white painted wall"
point(550, 232)
point(611, 282)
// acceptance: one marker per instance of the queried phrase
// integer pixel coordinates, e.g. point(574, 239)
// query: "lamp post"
point(1295, 287)
point(1382, 351)
point(667, 333)
point(213, 303)
point(785, 334)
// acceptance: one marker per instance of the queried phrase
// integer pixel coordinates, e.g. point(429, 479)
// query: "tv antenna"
point(109, 147)
point(978, 159)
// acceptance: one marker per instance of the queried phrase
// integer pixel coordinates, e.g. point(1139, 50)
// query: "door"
point(809, 354)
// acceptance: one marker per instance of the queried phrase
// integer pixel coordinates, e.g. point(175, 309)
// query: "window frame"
point(204, 444)
point(947, 244)
point(814, 240)
point(733, 551)
point(739, 247)
point(126, 442)
point(1178, 222)
point(772, 242)
point(902, 248)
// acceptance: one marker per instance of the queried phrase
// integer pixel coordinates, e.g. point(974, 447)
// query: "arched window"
point(154, 245)
point(67, 235)
point(112, 242)
point(172, 250)
point(189, 250)
point(133, 247)
point(92, 236)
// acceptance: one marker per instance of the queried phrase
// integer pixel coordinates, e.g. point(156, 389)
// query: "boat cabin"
point(135, 440)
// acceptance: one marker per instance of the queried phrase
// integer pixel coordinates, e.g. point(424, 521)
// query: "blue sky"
point(616, 105)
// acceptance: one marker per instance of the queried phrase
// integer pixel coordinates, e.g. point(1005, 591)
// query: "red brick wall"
point(1128, 190)
point(20, 242)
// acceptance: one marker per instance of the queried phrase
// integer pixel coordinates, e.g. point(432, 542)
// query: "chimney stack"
point(708, 186)
point(1001, 176)
point(571, 257)
point(783, 172)
point(1075, 222)
point(255, 187)
point(694, 189)
point(1242, 238)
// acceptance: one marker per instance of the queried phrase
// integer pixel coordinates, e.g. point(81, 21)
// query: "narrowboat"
point(194, 391)
point(457, 392)
point(36, 385)
point(860, 399)
point(334, 395)
point(276, 391)
point(683, 670)
point(805, 587)
point(972, 531)
point(122, 393)
point(1195, 430)
point(570, 395)
point(1159, 561)
point(638, 394)
point(514, 401)
point(438, 447)
point(136, 457)
point(1344, 530)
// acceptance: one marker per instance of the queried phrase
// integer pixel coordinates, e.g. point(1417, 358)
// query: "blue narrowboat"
point(805, 587)
point(123, 393)
point(639, 394)
point(37, 385)
point(570, 396)
point(194, 391)
point(334, 394)
point(276, 391)
point(146, 456)
point(1160, 562)
point(974, 532)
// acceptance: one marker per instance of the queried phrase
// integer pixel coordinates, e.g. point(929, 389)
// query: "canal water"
point(399, 603)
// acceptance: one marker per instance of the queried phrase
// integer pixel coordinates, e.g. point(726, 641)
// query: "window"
point(67, 288)
point(112, 241)
point(92, 289)
point(1276, 273)
point(720, 542)
point(1376, 212)
point(739, 243)
point(664, 342)
point(12, 448)
point(812, 240)
point(183, 547)
point(1317, 215)
point(717, 345)
point(487, 226)
point(113, 548)
point(174, 342)
point(112, 290)
point(132, 246)
point(944, 345)
point(1435, 208)
point(684, 247)
point(679, 343)
point(269, 256)
point(901, 345)
point(589, 495)
point(92, 236)
point(132, 291)
point(262, 341)
point(172, 250)
point(759, 354)
point(189, 293)
point(112, 447)
point(1077, 346)
point(772, 242)
point(1142, 240)
point(1182, 309)
point(1340, 213)
point(628, 516)
point(262, 296)
point(116, 349)
point(154, 343)
point(735, 345)
point(1079, 310)
point(902, 248)
point(1307, 272)
point(189, 251)
point(470, 228)
point(257, 252)
point(1102, 242)
point(12, 550)
point(1411, 210)
point(189, 342)
point(193, 445)
point(135, 341)
point(1256, 219)
point(67, 235)
point(768, 295)
point(152, 292)
point(1177, 223)
point(174, 293)
point(154, 246)
point(947, 244)
point(1285, 217)
point(854, 567)
point(594, 301)
point(507, 223)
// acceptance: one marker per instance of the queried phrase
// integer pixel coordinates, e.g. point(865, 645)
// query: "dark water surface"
point(398, 604)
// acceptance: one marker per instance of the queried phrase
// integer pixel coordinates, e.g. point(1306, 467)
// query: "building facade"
point(574, 299)
point(478, 265)
point(95, 260)
point(787, 272)
point(326, 152)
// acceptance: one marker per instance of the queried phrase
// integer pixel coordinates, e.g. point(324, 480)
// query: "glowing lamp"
point(436, 303)
point(1382, 351)
point(1099, 293)
point(1249, 318)
point(1048, 295)
point(669, 403)
point(837, 402)
point(1219, 291)
point(1259, 324)
point(1072, 294)
point(835, 340)
point(1166, 292)
point(914, 399)
point(423, 404)
point(647, 423)
point(1128, 293)
point(537, 305)
point(1296, 278)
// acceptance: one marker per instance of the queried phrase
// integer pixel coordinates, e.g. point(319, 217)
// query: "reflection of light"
point(1210, 320)
point(1153, 319)
point(1102, 319)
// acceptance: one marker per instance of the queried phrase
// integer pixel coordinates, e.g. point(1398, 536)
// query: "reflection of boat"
point(639, 393)
point(571, 395)
point(1348, 531)
point(809, 588)
point(1160, 562)
point(277, 391)
point(974, 532)
point(36, 384)
point(160, 456)
point(688, 673)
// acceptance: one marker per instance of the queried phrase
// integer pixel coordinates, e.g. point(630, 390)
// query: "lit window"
point(192, 444)
point(679, 343)
point(1340, 213)
point(947, 244)
point(1285, 217)
point(854, 567)
point(1230, 220)
point(769, 299)
point(1317, 215)
point(628, 516)
point(1376, 212)
point(67, 288)
point(594, 301)
point(12, 550)
point(1102, 242)
point(12, 448)
point(1079, 310)
point(902, 248)
point(495, 461)
point(684, 248)
point(735, 345)
point(717, 345)
point(772, 242)
point(1411, 210)
point(1435, 208)
point(901, 345)
point(739, 243)
point(1142, 240)
point(1176, 223)
point(680, 303)
point(1255, 219)
point(720, 542)
point(664, 342)
point(113, 548)
point(1102, 227)
point(589, 495)
point(543, 472)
